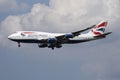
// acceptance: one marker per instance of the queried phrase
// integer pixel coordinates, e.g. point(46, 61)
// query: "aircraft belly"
point(29, 41)
point(76, 41)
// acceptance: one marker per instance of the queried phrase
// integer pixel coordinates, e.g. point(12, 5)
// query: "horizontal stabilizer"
point(103, 35)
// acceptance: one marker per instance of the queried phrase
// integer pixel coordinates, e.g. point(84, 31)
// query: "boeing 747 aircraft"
point(56, 40)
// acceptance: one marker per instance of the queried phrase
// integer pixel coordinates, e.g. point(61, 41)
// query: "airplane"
point(56, 40)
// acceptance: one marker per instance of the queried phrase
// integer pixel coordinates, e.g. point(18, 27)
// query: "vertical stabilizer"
point(99, 29)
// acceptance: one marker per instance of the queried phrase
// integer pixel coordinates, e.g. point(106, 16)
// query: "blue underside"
point(40, 41)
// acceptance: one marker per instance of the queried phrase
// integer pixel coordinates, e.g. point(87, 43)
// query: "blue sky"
point(96, 60)
point(28, 2)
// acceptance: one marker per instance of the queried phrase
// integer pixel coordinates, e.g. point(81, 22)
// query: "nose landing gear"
point(52, 48)
point(19, 44)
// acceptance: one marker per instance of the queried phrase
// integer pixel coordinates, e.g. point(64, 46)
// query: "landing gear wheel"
point(52, 48)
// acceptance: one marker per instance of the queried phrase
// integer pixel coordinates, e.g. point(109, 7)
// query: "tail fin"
point(99, 29)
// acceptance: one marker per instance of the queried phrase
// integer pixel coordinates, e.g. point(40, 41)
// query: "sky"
point(95, 60)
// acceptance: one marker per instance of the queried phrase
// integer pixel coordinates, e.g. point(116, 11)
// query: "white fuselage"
point(37, 37)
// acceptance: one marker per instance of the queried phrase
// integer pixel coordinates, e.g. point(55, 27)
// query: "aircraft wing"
point(73, 34)
point(78, 32)
point(63, 38)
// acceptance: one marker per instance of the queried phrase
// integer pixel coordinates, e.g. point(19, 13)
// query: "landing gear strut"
point(52, 48)
point(19, 44)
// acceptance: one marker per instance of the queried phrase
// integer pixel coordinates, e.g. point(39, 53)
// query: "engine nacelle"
point(42, 45)
point(51, 45)
point(58, 46)
point(69, 36)
point(52, 40)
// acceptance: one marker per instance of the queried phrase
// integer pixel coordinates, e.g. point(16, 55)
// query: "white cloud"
point(71, 15)
point(11, 5)
point(62, 15)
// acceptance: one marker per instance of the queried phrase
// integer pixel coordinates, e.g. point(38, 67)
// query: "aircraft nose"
point(10, 37)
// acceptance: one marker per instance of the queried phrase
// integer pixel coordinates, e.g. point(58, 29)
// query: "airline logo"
point(99, 29)
point(97, 33)
point(104, 24)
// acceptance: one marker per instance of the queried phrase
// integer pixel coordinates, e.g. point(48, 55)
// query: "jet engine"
point(69, 36)
point(42, 45)
point(58, 45)
point(52, 40)
point(51, 45)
